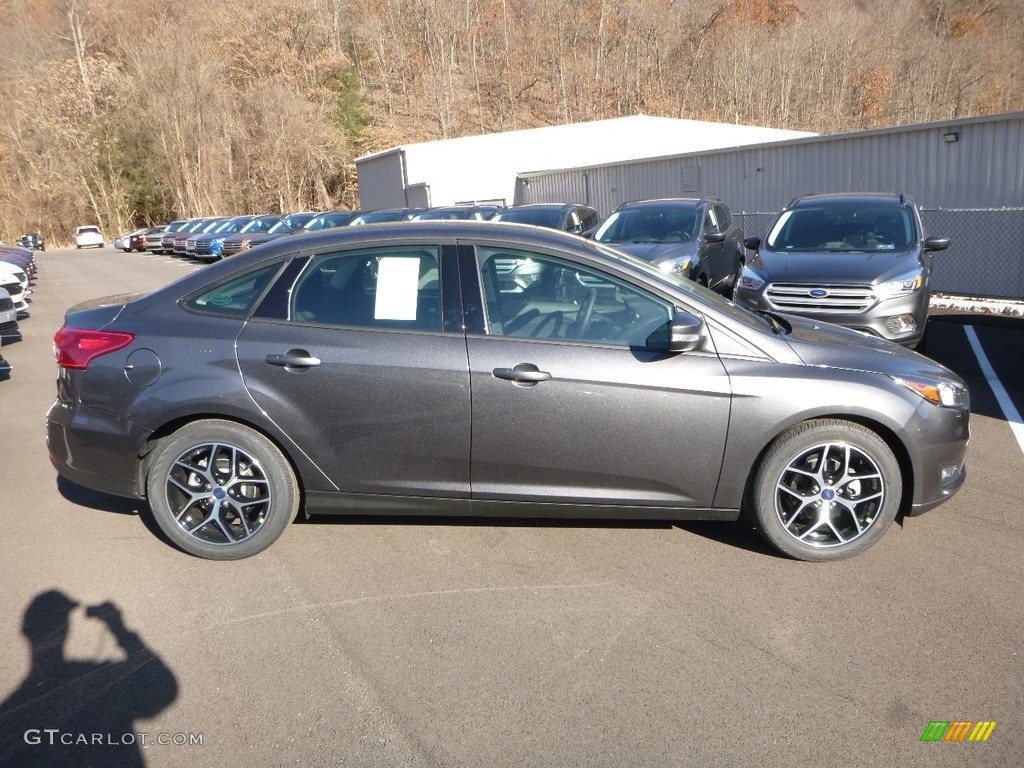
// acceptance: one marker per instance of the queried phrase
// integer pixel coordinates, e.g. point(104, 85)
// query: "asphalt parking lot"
point(370, 642)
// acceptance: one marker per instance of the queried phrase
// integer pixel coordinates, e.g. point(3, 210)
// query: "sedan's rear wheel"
point(221, 491)
point(825, 490)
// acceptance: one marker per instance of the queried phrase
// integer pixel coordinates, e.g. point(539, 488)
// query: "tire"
point(833, 462)
point(188, 499)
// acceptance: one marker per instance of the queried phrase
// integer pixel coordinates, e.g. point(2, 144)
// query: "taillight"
point(76, 348)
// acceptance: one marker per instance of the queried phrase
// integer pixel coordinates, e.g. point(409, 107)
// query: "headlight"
point(902, 287)
point(679, 267)
point(750, 280)
point(949, 394)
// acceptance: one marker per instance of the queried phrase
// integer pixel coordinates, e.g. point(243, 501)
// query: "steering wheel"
point(583, 314)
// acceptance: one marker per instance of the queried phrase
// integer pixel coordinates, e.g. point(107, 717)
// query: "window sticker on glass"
point(397, 285)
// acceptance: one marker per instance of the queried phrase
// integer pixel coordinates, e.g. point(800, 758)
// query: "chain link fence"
point(985, 258)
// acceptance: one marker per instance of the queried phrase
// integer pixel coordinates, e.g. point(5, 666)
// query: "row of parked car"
point(17, 274)
point(860, 260)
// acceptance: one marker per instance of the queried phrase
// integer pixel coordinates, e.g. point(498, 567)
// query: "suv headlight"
point(750, 280)
point(678, 267)
point(947, 393)
point(902, 287)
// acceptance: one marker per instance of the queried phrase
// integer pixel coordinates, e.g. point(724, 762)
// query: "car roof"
point(544, 207)
point(893, 198)
point(682, 202)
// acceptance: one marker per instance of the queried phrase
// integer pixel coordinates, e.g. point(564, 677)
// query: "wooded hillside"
point(124, 112)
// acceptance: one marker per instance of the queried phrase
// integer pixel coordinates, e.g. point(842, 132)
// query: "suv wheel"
point(221, 491)
point(826, 490)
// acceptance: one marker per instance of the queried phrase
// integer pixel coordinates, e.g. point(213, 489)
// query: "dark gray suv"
point(861, 260)
point(687, 237)
point(391, 370)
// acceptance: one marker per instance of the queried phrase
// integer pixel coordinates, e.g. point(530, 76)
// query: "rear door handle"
point(524, 373)
point(294, 358)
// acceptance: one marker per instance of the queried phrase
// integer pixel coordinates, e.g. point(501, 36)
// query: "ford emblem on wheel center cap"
point(828, 494)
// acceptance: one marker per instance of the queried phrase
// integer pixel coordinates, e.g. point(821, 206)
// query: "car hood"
point(832, 267)
point(657, 252)
point(832, 346)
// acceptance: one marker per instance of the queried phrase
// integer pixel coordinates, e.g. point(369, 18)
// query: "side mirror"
point(936, 244)
point(752, 243)
point(714, 237)
point(684, 333)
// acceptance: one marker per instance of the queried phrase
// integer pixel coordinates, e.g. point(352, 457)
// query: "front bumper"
point(941, 438)
point(885, 318)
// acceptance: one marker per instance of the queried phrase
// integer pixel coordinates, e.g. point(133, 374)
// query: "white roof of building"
point(485, 166)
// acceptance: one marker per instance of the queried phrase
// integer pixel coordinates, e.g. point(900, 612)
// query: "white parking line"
point(1005, 403)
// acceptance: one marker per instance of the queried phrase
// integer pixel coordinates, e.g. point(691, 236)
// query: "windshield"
point(230, 226)
point(843, 228)
point(447, 213)
point(649, 224)
point(377, 217)
point(541, 217)
point(259, 224)
point(328, 220)
point(279, 228)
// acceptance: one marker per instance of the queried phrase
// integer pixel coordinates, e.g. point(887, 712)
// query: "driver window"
point(535, 296)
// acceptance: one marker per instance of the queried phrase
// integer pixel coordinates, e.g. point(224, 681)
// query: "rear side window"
point(236, 296)
point(380, 288)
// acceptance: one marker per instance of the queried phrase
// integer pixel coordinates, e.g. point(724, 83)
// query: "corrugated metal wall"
point(958, 164)
point(983, 168)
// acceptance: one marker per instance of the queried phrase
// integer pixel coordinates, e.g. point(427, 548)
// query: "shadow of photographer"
point(81, 712)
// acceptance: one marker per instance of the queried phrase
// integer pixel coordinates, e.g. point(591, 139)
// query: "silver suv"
point(856, 259)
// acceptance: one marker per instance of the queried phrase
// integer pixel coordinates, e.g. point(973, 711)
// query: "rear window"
point(236, 296)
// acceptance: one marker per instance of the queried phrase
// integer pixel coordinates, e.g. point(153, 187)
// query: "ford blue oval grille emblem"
point(819, 293)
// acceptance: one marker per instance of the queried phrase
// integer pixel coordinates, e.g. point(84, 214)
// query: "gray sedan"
point(390, 370)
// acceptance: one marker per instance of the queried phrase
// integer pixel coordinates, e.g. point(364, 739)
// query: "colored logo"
point(819, 293)
point(958, 730)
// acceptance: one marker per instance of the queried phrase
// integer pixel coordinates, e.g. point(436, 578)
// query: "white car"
point(89, 235)
point(8, 314)
point(14, 281)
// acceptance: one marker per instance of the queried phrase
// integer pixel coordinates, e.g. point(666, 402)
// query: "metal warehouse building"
point(484, 168)
point(967, 175)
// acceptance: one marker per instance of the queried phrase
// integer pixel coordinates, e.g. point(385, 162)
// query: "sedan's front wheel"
point(221, 491)
point(825, 490)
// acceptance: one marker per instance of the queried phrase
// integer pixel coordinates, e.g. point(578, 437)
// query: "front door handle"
point(524, 373)
point(294, 358)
